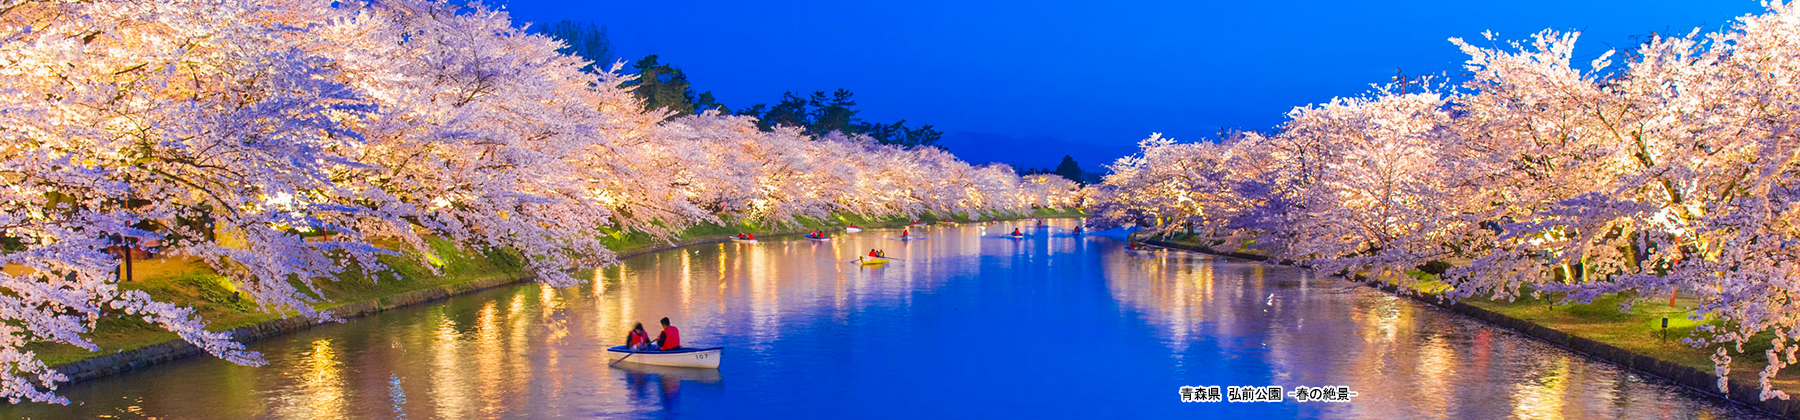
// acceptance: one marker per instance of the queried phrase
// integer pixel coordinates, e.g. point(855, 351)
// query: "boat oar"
point(621, 359)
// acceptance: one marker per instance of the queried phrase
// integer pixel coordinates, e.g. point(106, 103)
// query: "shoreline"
point(1742, 392)
point(100, 366)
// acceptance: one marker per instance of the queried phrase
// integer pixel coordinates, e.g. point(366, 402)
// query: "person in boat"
point(1017, 233)
point(874, 253)
point(1078, 230)
point(638, 339)
point(669, 338)
point(882, 254)
point(905, 233)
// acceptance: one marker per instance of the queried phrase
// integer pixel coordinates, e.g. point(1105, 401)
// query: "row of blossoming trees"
point(1678, 172)
point(225, 130)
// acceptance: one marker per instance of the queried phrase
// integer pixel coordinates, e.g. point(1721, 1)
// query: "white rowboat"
point(743, 241)
point(707, 358)
point(852, 229)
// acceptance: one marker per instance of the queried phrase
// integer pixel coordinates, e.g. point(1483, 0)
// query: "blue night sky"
point(1026, 82)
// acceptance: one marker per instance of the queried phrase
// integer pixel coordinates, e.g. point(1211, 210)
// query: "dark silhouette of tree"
point(664, 86)
point(1069, 169)
point(582, 39)
point(899, 134)
point(822, 113)
point(706, 102)
point(790, 112)
point(832, 113)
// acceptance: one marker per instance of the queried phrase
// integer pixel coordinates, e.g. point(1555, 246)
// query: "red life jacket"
point(873, 254)
point(671, 338)
point(635, 339)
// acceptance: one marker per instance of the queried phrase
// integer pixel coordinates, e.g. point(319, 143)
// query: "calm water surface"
point(968, 325)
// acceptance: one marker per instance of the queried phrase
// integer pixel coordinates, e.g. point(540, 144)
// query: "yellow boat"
point(868, 260)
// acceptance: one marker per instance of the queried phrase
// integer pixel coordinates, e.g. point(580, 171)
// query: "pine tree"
point(1069, 169)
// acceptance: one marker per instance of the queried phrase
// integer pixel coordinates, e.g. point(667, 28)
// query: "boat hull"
point(868, 260)
point(852, 230)
point(705, 358)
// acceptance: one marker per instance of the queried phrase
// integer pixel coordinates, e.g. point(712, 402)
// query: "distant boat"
point(706, 358)
point(742, 240)
point(868, 260)
point(817, 238)
point(853, 229)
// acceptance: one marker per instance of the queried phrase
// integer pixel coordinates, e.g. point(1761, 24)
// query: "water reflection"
point(1406, 360)
point(321, 393)
point(397, 396)
point(447, 383)
point(961, 325)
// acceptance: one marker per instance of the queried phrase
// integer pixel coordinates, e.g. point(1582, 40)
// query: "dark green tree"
point(1069, 169)
point(899, 134)
point(790, 112)
point(832, 113)
point(582, 39)
point(706, 102)
point(661, 86)
point(821, 113)
point(664, 86)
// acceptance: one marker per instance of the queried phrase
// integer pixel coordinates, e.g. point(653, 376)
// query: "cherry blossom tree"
point(1671, 174)
point(280, 142)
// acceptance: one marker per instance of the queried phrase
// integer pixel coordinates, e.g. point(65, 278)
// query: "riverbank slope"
point(130, 344)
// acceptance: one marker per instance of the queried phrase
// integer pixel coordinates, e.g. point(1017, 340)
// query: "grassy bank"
point(1638, 329)
point(190, 282)
point(626, 242)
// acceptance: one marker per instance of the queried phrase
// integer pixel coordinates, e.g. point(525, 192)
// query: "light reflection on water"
point(967, 325)
point(1407, 360)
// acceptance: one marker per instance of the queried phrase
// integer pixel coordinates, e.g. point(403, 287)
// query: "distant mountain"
point(1034, 152)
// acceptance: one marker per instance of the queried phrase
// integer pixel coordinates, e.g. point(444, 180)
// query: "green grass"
point(1639, 330)
point(189, 282)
